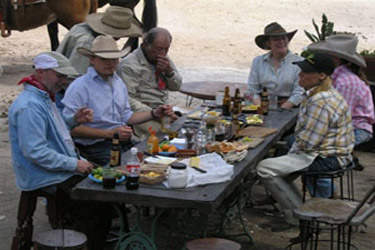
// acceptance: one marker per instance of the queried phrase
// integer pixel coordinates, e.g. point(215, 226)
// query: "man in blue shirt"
point(43, 154)
point(102, 90)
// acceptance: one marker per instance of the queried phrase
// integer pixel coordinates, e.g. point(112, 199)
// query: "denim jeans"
point(361, 136)
point(99, 152)
point(322, 185)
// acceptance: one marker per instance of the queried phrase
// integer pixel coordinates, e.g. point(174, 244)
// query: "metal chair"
point(340, 215)
point(212, 244)
point(26, 208)
point(347, 171)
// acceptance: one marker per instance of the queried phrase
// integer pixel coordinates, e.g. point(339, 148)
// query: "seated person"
point(116, 21)
point(349, 79)
point(43, 154)
point(103, 91)
point(324, 136)
point(274, 70)
point(149, 75)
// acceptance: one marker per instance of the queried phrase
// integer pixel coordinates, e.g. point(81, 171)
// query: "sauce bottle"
point(264, 102)
point(115, 159)
point(226, 102)
point(152, 142)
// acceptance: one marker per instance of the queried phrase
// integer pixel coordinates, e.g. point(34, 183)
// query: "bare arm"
point(86, 132)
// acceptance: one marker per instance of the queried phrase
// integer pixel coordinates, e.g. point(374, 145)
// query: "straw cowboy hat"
point(116, 21)
point(272, 29)
point(342, 46)
point(104, 47)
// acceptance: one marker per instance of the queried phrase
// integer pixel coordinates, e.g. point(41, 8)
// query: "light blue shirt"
point(108, 99)
point(41, 152)
point(285, 78)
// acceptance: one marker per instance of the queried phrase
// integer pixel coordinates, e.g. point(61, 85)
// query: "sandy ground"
point(213, 40)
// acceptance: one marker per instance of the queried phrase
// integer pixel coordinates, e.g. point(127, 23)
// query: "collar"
point(267, 56)
point(34, 82)
point(324, 86)
point(338, 71)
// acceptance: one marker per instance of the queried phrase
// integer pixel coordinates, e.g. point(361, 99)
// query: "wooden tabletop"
point(207, 90)
point(204, 198)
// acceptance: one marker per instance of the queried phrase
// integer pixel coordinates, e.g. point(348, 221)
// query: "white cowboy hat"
point(272, 29)
point(342, 46)
point(104, 47)
point(116, 21)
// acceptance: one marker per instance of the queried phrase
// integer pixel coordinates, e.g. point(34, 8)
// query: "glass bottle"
point(227, 101)
point(115, 159)
point(264, 102)
point(237, 101)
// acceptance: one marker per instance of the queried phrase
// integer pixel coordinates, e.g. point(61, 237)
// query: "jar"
point(177, 177)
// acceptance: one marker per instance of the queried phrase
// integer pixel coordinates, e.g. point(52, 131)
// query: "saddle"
point(23, 15)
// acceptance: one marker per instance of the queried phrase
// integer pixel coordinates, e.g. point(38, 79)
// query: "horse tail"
point(149, 15)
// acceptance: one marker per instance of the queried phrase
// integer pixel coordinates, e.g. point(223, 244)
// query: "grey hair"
point(151, 35)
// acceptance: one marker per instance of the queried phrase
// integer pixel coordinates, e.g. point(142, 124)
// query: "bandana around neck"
point(34, 82)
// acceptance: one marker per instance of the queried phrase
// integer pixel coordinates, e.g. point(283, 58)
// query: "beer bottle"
point(226, 102)
point(264, 102)
point(237, 101)
point(235, 122)
point(115, 151)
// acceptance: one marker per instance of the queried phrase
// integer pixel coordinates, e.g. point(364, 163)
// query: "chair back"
point(355, 216)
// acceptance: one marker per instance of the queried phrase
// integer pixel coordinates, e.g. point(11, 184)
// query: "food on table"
point(194, 162)
point(226, 147)
point(97, 173)
point(250, 107)
point(215, 147)
point(254, 119)
point(166, 147)
point(150, 174)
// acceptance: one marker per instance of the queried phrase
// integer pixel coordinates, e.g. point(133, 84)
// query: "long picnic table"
point(205, 198)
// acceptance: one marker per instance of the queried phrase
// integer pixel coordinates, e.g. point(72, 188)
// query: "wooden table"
point(206, 90)
point(203, 198)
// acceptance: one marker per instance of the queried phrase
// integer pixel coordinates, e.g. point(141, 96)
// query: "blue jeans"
point(322, 185)
point(361, 136)
point(99, 152)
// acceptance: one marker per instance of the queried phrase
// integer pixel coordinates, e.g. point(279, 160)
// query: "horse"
point(29, 14)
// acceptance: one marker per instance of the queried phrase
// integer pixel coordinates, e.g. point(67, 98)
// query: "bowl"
point(152, 176)
point(100, 181)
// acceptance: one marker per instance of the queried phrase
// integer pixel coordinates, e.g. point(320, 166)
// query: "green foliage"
point(325, 30)
point(368, 53)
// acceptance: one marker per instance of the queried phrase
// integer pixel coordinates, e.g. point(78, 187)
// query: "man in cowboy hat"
point(274, 70)
point(149, 75)
point(43, 154)
point(102, 90)
point(324, 136)
point(116, 22)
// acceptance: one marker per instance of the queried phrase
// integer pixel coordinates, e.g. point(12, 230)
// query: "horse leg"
point(53, 31)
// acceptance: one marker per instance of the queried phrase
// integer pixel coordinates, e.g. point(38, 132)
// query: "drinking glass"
point(109, 178)
point(272, 95)
point(248, 97)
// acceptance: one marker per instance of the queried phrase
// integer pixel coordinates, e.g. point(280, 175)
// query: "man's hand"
point(84, 115)
point(163, 65)
point(84, 167)
point(124, 132)
point(165, 110)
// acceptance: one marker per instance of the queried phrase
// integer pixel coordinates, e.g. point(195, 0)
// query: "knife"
point(149, 154)
point(199, 170)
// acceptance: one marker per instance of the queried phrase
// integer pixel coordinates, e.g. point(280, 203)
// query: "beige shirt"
point(139, 76)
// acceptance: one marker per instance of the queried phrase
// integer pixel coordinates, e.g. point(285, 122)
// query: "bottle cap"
point(134, 150)
point(116, 135)
point(178, 165)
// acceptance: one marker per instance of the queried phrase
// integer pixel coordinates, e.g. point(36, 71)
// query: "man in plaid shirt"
point(324, 136)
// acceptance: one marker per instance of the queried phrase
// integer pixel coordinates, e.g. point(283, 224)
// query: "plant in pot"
point(369, 57)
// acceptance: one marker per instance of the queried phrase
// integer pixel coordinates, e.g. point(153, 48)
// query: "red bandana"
point(160, 80)
point(34, 82)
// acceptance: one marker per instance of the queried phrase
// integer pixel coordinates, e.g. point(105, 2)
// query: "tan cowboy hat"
point(116, 21)
point(104, 47)
point(272, 29)
point(342, 46)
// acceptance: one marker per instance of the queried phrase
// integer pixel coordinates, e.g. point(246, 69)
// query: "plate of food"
point(99, 178)
point(250, 108)
point(254, 120)
point(167, 149)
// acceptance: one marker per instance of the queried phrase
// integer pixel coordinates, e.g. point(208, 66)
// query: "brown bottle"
point(235, 122)
point(115, 159)
point(264, 102)
point(237, 101)
point(227, 101)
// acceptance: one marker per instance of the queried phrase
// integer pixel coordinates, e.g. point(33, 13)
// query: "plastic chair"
point(347, 171)
point(340, 215)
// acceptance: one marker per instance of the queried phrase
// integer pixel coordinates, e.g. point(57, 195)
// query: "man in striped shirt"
point(324, 135)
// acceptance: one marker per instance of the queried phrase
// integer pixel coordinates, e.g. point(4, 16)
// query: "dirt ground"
point(212, 40)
